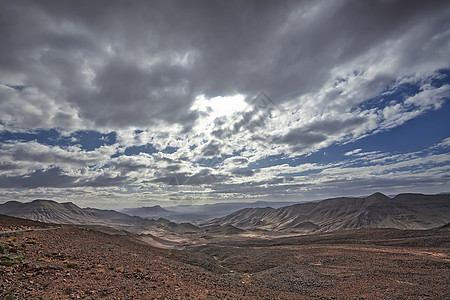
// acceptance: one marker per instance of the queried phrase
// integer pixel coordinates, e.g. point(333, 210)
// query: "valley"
point(79, 262)
point(398, 252)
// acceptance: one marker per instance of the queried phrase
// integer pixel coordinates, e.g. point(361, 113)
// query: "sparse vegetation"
point(11, 294)
point(6, 261)
point(71, 265)
point(19, 258)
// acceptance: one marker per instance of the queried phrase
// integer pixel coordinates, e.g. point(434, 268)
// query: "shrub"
point(71, 265)
point(11, 295)
point(6, 261)
point(19, 258)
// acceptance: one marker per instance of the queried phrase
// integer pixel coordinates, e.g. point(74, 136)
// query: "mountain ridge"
point(49, 211)
point(404, 211)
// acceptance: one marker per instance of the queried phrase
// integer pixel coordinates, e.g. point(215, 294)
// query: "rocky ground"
point(75, 262)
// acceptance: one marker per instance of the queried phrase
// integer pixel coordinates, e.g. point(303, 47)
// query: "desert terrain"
point(95, 262)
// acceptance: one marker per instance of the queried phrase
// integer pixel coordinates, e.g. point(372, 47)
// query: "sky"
point(116, 104)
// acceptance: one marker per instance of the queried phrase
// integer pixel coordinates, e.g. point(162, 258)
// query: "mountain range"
point(197, 213)
point(404, 211)
point(49, 211)
point(148, 212)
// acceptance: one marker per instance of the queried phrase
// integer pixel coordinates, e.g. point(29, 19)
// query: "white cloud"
point(158, 78)
point(430, 97)
point(350, 153)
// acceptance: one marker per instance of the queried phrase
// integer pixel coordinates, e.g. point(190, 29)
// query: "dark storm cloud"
point(105, 181)
point(4, 166)
point(246, 121)
point(33, 152)
point(128, 166)
point(317, 132)
point(301, 138)
point(335, 126)
point(131, 64)
point(203, 177)
point(139, 69)
point(53, 177)
point(212, 149)
point(315, 190)
point(243, 172)
point(270, 187)
point(132, 52)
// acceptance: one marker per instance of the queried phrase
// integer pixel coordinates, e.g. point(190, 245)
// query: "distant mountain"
point(404, 211)
point(49, 211)
point(152, 212)
point(197, 213)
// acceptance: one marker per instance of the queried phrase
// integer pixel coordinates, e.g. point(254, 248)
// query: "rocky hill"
point(404, 211)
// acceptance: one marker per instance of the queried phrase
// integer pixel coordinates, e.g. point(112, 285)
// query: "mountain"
point(152, 212)
point(49, 211)
point(197, 213)
point(404, 211)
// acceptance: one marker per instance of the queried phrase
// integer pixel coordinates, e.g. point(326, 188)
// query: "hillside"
point(404, 211)
point(68, 213)
point(89, 262)
point(149, 212)
point(197, 213)
point(64, 264)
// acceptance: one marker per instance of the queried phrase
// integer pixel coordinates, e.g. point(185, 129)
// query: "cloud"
point(429, 97)
point(35, 153)
point(237, 160)
point(350, 153)
point(445, 143)
point(243, 172)
point(184, 79)
point(52, 177)
point(204, 176)
point(301, 138)
point(122, 69)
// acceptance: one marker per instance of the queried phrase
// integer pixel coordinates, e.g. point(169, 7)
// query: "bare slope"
point(68, 213)
point(152, 212)
point(404, 211)
point(75, 262)
point(85, 262)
